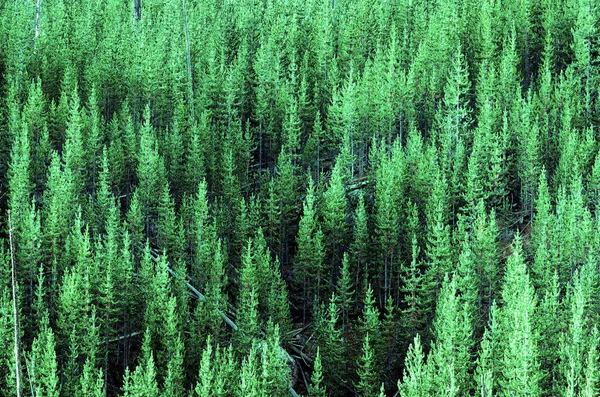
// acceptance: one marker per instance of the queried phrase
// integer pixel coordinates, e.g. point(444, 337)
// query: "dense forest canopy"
point(299, 197)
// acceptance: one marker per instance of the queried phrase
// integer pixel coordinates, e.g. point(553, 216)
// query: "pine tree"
point(359, 247)
point(43, 364)
point(309, 261)
point(142, 381)
point(345, 290)
point(486, 367)
point(416, 381)
point(521, 373)
point(387, 219)
point(583, 36)
point(172, 341)
point(317, 389)
point(249, 380)
point(574, 344)
point(331, 343)
point(368, 379)
point(449, 356)
point(91, 381)
point(590, 387)
point(371, 325)
point(484, 249)
point(205, 373)
point(415, 294)
point(334, 218)
point(275, 377)
point(439, 250)
point(247, 315)
point(150, 173)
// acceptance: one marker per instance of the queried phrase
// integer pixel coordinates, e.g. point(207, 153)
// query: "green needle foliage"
point(219, 199)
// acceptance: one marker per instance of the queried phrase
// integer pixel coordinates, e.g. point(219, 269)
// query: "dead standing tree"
point(15, 308)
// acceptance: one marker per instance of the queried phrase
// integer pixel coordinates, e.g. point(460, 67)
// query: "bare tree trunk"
point(38, 12)
point(15, 309)
point(137, 9)
point(189, 59)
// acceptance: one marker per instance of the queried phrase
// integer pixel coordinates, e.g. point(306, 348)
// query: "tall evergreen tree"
point(520, 365)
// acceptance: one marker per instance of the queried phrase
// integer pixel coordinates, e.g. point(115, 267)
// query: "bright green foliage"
point(248, 316)
point(359, 247)
point(334, 218)
point(275, 376)
point(287, 187)
point(309, 261)
point(520, 364)
point(416, 382)
point(345, 290)
point(73, 151)
point(329, 336)
point(278, 305)
point(415, 293)
point(203, 169)
point(485, 370)
point(449, 356)
point(439, 250)
point(150, 173)
point(368, 379)
point(142, 381)
point(92, 382)
point(371, 326)
point(19, 172)
point(43, 363)
point(389, 175)
point(574, 345)
point(249, 379)
point(173, 380)
point(590, 387)
point(584, 32)
point(205, 374)
point(317, 389)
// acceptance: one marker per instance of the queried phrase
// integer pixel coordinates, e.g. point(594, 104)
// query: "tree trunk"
point(15, 309)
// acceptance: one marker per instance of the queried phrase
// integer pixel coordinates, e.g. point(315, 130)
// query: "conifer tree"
point(386, 220)
point(309, 261)
point(439, 250)
point(486, 366)
point(359, 248)
point(334, 218)
point(91, 382)
point(43, 364)
point(345, 290)
point(204, 385)
point(249, 381)
point(520, 365)
point(287, 186)
point(368, 379)
point(275, 377)
point(19, 173)
point(248, 316)
point(449, 356)
point(415, 294)
point(172, 341)
point(371, 325)
point(416, 381)
point(142, 381)
point(317, 389)
point(574, 343)
point(150, 173)
point(331, 343)
point(583, 32)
